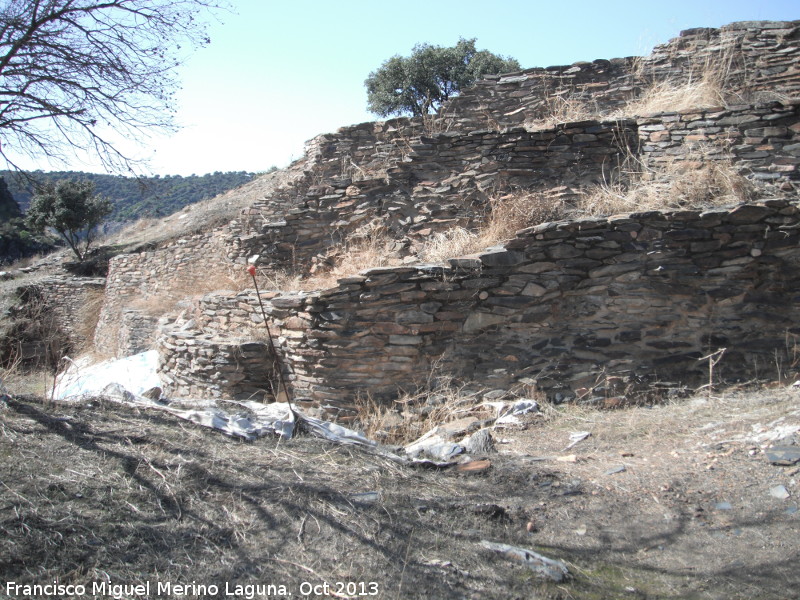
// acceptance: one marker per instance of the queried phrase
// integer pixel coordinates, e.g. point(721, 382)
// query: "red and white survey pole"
point(278, 366)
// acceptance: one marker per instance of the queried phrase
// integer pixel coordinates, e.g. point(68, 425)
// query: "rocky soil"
point(671, 501)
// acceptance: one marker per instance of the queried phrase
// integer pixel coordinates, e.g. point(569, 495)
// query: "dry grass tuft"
point(707, 86)
point(416, 413)
point(10, 374)
point(562, 108)
point(458, 241)
point(508, 214)
point(520, 209)
point(285, 280)
point(368, 247)
point(667, 96)
point(675, 184)
point(378, 421)
point(704, 87)
point(16, 380)
point(185, 286)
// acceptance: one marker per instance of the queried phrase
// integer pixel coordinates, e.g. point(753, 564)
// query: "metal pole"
point(252, 270)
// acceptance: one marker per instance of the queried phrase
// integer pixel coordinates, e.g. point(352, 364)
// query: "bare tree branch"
point(72, 70)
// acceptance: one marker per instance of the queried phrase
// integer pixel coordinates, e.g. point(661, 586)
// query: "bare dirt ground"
point(672, 501)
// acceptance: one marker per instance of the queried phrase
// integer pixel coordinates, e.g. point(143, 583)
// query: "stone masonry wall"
point(445, 181)
point(53, 315)
point(72, 301)
point(182, 267)
point(153, 281)
point(413, 185)
point(513, 99)
point(762, 141)
point(757, 61)
point(359, 151)
point(636, 299)
point(199, 366)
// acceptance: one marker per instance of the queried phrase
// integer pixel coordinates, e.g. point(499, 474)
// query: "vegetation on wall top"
point(421, 83)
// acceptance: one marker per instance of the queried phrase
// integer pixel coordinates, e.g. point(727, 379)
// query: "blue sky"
point(277, 73)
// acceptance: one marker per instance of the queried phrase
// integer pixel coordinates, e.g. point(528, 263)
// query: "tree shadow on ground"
point(113, 492)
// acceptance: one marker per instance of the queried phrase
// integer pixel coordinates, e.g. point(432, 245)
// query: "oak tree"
point(419, 84)
point(71, 208)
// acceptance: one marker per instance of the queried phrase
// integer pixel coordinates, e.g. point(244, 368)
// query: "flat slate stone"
point(783, 455)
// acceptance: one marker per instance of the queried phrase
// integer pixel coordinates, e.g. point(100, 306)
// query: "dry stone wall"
point(756, 61)
point(218, 349)
point(53, 316)
point(160, 275)
point(762, 141)
point(513, 99)
point(200, 366)
point(635, 298)
point(360, 151)
point(444, 181)
point(136, 332)
point(73, 301)
point(140, 285)
point(571, 306)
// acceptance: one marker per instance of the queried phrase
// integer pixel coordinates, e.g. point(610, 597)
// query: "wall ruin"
point(566, 304)
point(755, 61)
point(54, 316)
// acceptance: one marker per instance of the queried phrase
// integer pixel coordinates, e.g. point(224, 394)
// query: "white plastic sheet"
point(125, 380)
point(136, 374)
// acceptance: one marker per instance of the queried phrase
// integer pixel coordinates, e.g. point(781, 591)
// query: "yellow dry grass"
point(508, 213)
point(558, 109)
point(674, 184)
point(184, 286)
point(405, 421)
point(369, 246)
point(667, 96)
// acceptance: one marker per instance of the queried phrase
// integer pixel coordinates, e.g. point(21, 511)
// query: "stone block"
point(534, 289)
point(405, 340)
point(563, 251)
point(502, 258)
point(749, 213)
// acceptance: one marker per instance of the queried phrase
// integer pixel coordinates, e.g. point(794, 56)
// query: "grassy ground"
point(96, 492)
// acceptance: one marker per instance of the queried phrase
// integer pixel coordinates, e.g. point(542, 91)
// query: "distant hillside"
point(134, 198)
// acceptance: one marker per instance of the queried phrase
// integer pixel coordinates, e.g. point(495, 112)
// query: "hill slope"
point(135, 197)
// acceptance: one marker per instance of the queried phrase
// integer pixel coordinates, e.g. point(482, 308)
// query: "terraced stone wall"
point(587, 309)
point(150, 282)
point(757, 61)
point(414, 184)
point(444, 181)
point(762, 141)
